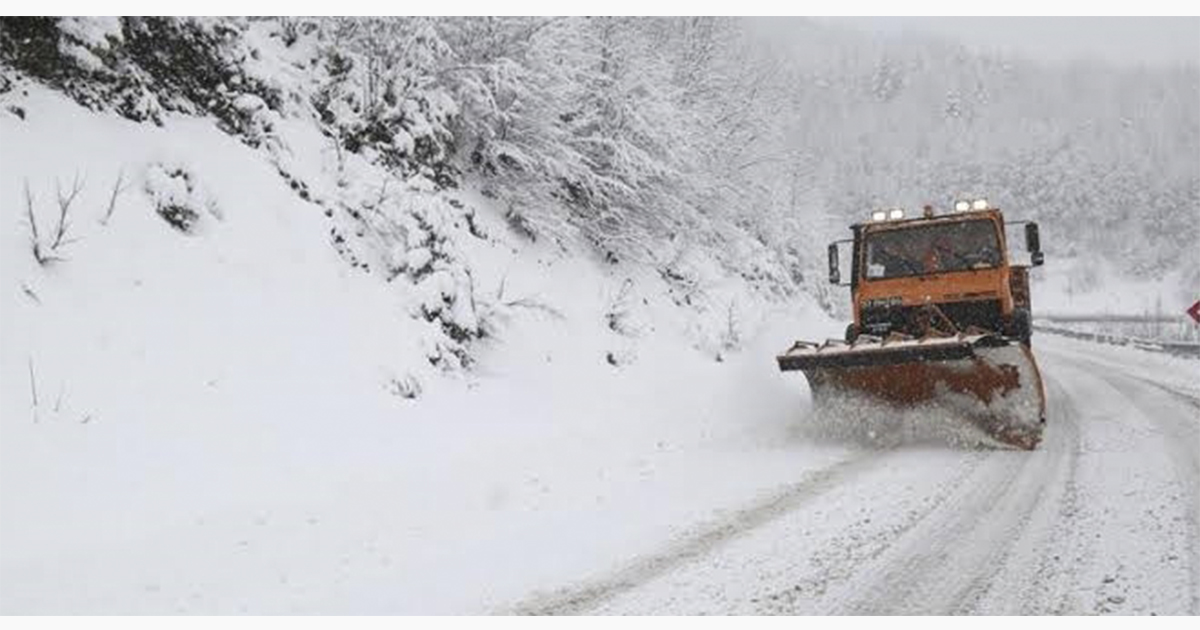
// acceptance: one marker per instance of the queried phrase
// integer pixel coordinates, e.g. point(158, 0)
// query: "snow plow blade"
point(990, 380)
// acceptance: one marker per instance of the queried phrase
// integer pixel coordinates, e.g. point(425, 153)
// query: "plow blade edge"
point(990, 381)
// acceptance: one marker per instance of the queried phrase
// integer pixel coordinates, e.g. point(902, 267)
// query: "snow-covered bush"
point(496, 311)
point(380, 95)
point(618, 313)
point(414, 233)
point(445, 288)
point(140, 66)
point(407, 386)
point(565, 129)
point(255, 120)
point(178, 198)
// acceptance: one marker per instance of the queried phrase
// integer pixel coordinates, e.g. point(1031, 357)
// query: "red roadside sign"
point(1195, 311)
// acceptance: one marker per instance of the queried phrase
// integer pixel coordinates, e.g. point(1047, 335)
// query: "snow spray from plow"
point(989, 380)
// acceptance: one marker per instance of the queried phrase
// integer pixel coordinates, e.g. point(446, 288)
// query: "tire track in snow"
point(1018, 582)
point(873, 544)
point(948, 561)
point(1181, 439)
point(1038, 595)
point(946, 557)
point(705, 540)
point(1114, 546)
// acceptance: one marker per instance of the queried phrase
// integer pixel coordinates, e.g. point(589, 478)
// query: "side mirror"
point(835, 276)
point(1033, 242)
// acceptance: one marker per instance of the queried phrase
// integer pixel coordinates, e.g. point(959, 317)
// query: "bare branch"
point(33, 390)
point(118, 187)
point(46, 253)
point(471, 288)
point(32, 295)
point(341, 160)
point(500, 289)
point(383, 193)
point(536, 305)
point(64, 208)
point(29, 211)
point(34, 238)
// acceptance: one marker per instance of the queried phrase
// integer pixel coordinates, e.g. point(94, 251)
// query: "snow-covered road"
point(1103, 518)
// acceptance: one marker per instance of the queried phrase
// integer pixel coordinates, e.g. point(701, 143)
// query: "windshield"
point(932, 248)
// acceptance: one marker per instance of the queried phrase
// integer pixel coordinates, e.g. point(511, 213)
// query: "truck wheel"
point(1021, 326)
point(852, 333)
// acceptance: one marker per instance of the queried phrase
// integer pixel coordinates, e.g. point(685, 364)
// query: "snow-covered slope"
point(276, 361)
point(233, 418)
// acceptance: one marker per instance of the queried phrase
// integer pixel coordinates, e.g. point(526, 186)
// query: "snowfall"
point(235, 420)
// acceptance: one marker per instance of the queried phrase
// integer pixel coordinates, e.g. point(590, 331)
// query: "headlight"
point(980, 204)
point(962, 206)
point(879, 215)
point(896, 214)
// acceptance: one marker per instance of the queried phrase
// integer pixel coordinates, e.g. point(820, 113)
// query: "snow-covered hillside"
point(197, 384)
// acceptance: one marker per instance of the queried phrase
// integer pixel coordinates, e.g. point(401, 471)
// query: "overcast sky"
point(1122, 40)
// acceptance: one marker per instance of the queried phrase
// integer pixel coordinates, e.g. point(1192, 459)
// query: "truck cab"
point(959, 263)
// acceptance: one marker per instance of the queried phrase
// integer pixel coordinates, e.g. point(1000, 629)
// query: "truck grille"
point(983, 314)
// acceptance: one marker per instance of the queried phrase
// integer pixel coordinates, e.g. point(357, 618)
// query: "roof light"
point(896, 213)
point(980, 204)
point(962, 206)
point(879, 215)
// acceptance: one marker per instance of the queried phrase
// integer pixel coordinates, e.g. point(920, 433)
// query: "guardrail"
point(1188, 349)
point(1112, 318)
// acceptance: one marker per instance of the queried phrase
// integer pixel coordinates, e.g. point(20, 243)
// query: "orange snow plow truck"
point(941, 318)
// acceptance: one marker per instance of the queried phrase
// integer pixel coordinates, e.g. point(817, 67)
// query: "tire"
point(1021, 327)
